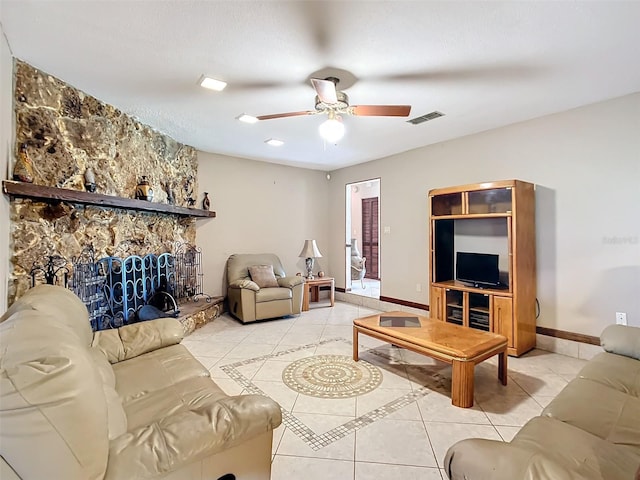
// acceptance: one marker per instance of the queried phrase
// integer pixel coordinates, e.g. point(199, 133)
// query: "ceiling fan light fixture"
point(332, 129)
point(247, 118)
point(212, 83)
point(274, 142)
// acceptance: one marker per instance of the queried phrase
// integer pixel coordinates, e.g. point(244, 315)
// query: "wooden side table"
point(313, 286)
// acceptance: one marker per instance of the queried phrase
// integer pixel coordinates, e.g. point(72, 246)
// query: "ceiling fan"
point(334, 103)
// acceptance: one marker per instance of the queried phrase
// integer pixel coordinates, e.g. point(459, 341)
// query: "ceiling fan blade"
point(326, 90)
point(288, 114)
point(381, 110)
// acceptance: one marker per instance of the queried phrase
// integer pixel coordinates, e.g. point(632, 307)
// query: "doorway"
point(362, 231)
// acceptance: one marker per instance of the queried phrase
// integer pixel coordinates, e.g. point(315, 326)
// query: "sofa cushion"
point(615, 371)
point(155, 371)
point(602, 411)
point(138, 338)
point(155, 405)
point(271, 294)
point(263, 276)
point(52, 402)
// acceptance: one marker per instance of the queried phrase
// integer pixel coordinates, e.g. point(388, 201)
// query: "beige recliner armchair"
point(259, 288)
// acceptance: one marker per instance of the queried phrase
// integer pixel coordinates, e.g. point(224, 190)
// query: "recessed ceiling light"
point(212, 83)
point(247, 118)
point(274, 142)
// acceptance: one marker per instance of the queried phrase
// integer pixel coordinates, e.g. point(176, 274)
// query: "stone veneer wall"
point(68, 131)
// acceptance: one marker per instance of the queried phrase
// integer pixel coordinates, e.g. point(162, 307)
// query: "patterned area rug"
point(331, 376)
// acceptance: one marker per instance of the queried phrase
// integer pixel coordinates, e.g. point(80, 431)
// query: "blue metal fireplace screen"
point(130, 283)
point(114, 289)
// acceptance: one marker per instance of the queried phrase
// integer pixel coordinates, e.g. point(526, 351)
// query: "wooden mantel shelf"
point(41, 192)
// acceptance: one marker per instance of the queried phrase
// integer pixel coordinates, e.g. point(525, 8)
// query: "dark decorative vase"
point(144, 190)
point(23, 169)
point(206, 203)
point(171, 197)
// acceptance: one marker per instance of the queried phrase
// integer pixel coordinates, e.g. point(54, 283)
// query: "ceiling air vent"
point(425, 118)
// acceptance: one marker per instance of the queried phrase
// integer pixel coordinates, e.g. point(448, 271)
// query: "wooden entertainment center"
point(495, 218)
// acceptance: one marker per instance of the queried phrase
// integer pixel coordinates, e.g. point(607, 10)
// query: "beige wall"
point(586, 163)
point(6, 152)
point(260, 207)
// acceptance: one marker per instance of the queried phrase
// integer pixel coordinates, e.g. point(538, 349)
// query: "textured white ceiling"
point(483, 64)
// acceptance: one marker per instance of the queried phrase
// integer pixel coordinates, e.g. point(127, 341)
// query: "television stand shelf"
point(463, 287)
point(494, 219)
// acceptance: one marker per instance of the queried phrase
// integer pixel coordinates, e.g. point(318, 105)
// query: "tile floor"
point(371, 288)
point(417, 425)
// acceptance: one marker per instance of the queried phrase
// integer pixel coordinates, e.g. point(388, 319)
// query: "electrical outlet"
point(418, 287)
point(621, 318)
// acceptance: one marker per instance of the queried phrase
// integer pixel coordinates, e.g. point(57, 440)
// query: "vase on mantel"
point(206, 203)
point(144, 190)
point(23, 169)
point(89, 180)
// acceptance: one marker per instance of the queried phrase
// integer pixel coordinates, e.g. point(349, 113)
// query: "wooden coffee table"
point(461, 347)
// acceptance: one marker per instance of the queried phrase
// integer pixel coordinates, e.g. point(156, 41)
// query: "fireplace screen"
point(114, 289)
point(131, 282)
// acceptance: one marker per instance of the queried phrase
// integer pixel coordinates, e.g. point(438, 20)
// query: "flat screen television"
point(479, 269)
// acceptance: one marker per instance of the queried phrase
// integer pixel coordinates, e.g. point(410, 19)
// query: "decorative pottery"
point(321, 274)
point(89, 180)
point(171, 197)
point(144, 190)
point(206, 203)
point(23, 169)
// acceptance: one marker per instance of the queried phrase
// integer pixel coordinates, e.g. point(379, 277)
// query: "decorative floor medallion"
point(331, 376)
point(314, 440)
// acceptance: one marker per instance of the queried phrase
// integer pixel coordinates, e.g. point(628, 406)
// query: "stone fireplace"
point(66, 132)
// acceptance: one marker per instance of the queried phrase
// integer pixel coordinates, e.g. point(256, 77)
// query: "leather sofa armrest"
point(290, 282)
point(126, 342)
point(245, 283)
point(188, 436)
point(482, 459)
point(621, 340)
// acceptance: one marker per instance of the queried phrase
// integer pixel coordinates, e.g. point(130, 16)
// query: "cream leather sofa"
point(249, 302)
point(126, 404)
point(591, 430)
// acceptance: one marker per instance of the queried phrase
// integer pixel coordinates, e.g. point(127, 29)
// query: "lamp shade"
point(332, 129)
point(310, 250)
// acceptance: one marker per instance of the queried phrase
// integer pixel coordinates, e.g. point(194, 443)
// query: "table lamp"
point(309, 252)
